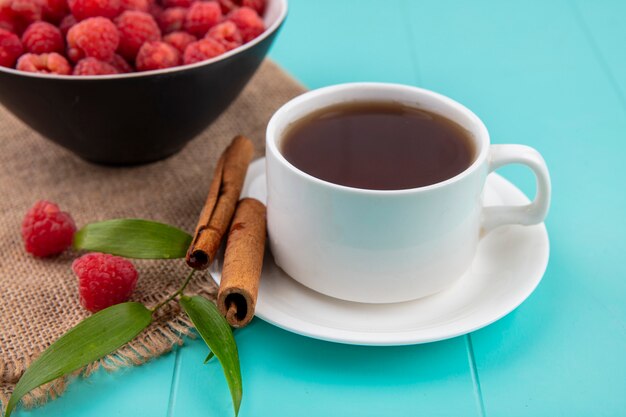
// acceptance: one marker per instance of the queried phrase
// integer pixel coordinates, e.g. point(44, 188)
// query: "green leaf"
point(218, 336)
point(91, 339)
point(134, 238)
point(209, 357)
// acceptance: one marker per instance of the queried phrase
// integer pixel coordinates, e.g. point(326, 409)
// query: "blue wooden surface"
point(548, 74)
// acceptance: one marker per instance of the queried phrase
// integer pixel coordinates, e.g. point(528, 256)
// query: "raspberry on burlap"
point(46, 230)
point(104, 280)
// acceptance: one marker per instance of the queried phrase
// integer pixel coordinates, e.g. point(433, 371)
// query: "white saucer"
point(509, 265)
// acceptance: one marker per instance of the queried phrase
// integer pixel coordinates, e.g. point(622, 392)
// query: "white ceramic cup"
point(387, 246)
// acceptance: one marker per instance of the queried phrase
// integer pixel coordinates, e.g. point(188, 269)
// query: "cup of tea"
point(374, 191)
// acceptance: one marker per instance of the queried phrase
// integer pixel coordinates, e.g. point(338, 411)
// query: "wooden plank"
point(529, 71)
point(138, 391)
point(289, 375)
point(604, 24)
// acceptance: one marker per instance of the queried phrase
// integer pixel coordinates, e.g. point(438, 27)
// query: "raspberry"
point(104, 280)
point(26, 11)
point(203, 49)
point(135, 28)
point(202, 16)
point(140, 5)
point(172, 19)
point(157, 55)
point(92, 66)
point(179, 40)
point(8, 21)
point(96, 37)
point(177, 3)
point(155, 10)
point(230, 5)
point(83, 9)
point(227, 34)
point(248, 21)
point(257, 5)
point(227, 6)
point(51, 63)
point(10, 48)
point(46, 230)
point(67, 22)
point(42, 37)
point(55, 10)
point(120, 64)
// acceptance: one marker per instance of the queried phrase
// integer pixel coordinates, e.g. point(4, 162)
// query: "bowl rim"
point(268, 31)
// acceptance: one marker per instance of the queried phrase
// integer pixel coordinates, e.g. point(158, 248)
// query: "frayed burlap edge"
point(168, 329)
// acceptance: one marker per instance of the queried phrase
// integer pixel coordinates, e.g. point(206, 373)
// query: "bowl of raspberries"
point(124, 82)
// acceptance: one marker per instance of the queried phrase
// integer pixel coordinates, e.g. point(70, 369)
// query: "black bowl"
point(141, 117)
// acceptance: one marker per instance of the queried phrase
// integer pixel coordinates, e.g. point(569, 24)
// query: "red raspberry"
point(104, 280)
point(155, 10)
point(202, 16)
point(248, 21)
point(230, 5)
point(140, 5)
point(55, 10)
point(121, 65)
point(92, 66)
point(67, 22)
point(227, 34)
point(177, 3)
point(135, 28)
point(180, 40)
point(42, 37)
point(8, 21)
point(227, 6)
point(257, 5)
point(25, 11)
point(10, 48)
point(157, 55)
point(83, 9)
point(172, 19)
point(203, 49)
point(96, 37)
point(46, 230)
point(51, 63)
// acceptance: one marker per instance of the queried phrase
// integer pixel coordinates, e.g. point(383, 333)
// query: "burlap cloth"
point(39, 297)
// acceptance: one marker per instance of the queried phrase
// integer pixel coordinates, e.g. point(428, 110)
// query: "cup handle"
point(529, 214)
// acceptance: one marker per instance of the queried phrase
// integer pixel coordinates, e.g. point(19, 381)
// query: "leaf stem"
point(174, 295)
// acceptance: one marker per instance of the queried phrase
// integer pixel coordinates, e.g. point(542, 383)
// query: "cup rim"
point(481, 133)
point(273, 27)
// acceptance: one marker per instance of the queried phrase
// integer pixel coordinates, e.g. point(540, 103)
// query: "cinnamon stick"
point(220, 203)
point(243, 262)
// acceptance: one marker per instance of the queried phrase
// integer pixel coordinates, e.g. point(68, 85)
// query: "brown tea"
point(378, 145)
